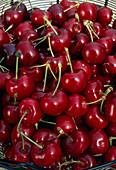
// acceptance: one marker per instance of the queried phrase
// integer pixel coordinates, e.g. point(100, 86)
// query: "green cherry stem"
point(45, 79)
point(72, 7)
point(17, 60)
point(59, 66)
point(77, 17)
point(31, 5)
point(9, 28)
point(69, 162)
point(67, 52)
point(85, 23)
point(40, 42)
point(23, 142)
point(40, 27)
point(75, 122)
point(4, 68)
point(39, 39)
point(52, 72)
point(50, 48)
point(2, 59)
point(18, 4)
point(111, 139)
point(44, 121)
point(18, 127)
point(15, 98)
point(38, 66)
point(93, 31)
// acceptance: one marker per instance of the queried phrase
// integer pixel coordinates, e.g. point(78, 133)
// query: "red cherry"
point(38, 95)
point(111, 155)
point(5, 130)
point(21, 8)
point(6, 100)
point(29, 35)
point(95, 69)
point(111, 129)
point(54, 105)
point(33, 111)
point(4, 77)
point(114, 24)
point(74, 106)
point(98, 142)
point(78, 145)
point(3, 38)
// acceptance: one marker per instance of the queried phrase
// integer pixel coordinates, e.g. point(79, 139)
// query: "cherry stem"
point(40, 27)
point(17, 54)
point(61, 132)
point(23, 148)
point(36, 126)
point(52, 72)
point(50, 48)
point(9, 28)
point(31, 5)
point(75, 122)
point(49, 24)
point(93, 30)
point(18, 4)
point(44, 121)
point(2, 59)
point(15, 98)
point(39, 39)
point(69, 162)
point(87, 26)
point(77, 17)
point(59, 66)
point(72, 7)
point(4, 68)
point(45, 79)
point(4, 6)
point(108, 85)
point(67, 52)
point(38, 66)
point(54, 138)
point(18, 127)
point(40, 42)
point(93, 102)
point(111, 139)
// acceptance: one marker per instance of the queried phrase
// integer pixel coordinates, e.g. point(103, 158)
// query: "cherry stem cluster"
point(69, 162)
point(9, 28)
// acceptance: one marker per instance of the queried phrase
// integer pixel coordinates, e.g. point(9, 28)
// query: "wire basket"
point(44, 5)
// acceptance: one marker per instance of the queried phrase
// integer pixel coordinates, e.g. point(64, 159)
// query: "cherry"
point(39, 87)
point(60, 41)
point(80, 64)
point(65, 123)
point(74, 106)
point(6, 100)
point(24, 83)
point(28, 130)
point(44, 135)
point(87, 11)
point(12, 17)
point(32, 107)
point(54, 105)
point(47, 156)
point(29, 35)
point(11, 114)
point(93, 53)
point(50, 30)
point(77, 80)
point(104, 16)
point(3, 38)
point(37, 17)
point(77, 145)
point(111, 129)
point(4, 77)
point(36, 73)
point(73, 26)
point(38, 95)
point(94, 119)
point(87, 160)
point(98, 142)
point(21, 8)
point(95, 69)
point(110, 109)
point(114, 24)
point(111, 155)
point(79, 40)
point(58, 16)
point(19, 154)
point(5, 131)
point(28, 54)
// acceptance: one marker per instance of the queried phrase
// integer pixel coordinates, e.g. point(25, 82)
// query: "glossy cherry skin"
point(111, 129)
point(28, 130)
point(37, 95)
point(37, 17)
point(111, 155)
point(78, 146)
point(94, 119)
point(5, 131)
point(114, 24)
point(74, 82)
point(24, 84)
point(21, 8)
point(3, 38)
point(20, 155)
point(109, 65)
point(104, 16)
point(4, 77)
point(87, 11)
point(54, 105)
point(12, 17)
point(26, 25)
point(33, 108)
point(98, 142)
point(60, 41)
point(44, 135)
point(74, 106)
point(110, 109)
point(80, 64)
point(11, 114)
point(58, 16)
point(87, 159)
point(66, 123)
point(95, 69)
point(29, 54)
point(92, 91)
point(93, 53)
point(29, 35)
point(47, 156)
point(71, 26)
point(36, 73)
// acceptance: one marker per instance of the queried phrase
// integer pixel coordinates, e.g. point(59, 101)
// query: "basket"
point(45, 4)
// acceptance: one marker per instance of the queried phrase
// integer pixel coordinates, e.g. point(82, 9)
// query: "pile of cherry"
point(57, 85)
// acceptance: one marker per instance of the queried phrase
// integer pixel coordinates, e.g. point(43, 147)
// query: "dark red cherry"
point(50, 30)
point(66, 123)
point(104, 16)
point(74, 106)
point(21, 8)
point(94, 119)
point(74, 82)
point(111, 155)
point(4, 38)
point(77, 145)
point(93, 53)
point(11, 114)
point(32, 107)
point(98, 142)
point(24, 84)
point(29, 35)
point(114, 24)
point(95, 69)
point(20, 155)
point(87, 159)
point(111, 129)
point(5, 131)
point(28, 130)
point(6, 99)
point(87, 11)
point(54, 105)
point(38, 95)
point(4, 77)
point(58, 16)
